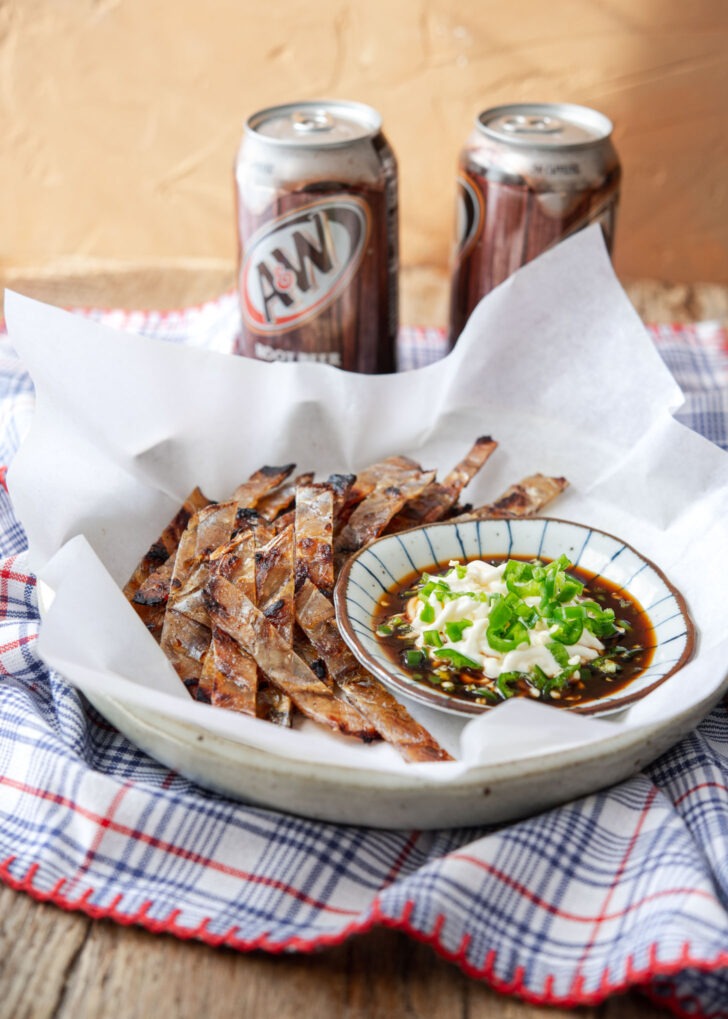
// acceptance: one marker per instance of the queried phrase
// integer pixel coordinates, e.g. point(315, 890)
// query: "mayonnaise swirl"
point(470, 601)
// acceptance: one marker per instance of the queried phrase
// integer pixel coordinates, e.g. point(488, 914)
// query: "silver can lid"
point(315, 123)
point(545, 125)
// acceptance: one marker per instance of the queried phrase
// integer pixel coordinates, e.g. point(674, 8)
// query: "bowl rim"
point(442, 701)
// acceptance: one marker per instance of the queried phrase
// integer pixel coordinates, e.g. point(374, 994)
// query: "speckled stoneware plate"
point(488, 793)
point(388, 562)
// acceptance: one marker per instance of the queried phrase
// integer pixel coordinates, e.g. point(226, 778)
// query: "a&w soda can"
point(530, 174)
point(316, 187)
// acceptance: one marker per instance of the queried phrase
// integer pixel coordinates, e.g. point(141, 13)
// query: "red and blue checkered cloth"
point(626, 887)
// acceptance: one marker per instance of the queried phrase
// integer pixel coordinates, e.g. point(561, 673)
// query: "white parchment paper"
point(555, 364)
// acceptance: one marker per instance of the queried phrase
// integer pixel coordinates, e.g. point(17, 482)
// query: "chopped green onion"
point(414, 658)
point(427, 615)
point(606, 665)
point(504, 681)
point(560, 653)
point(454, 629)
point(539, 678)
point(458, 659)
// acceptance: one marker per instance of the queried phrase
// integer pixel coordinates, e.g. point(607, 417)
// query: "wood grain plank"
point(58, 965)
point(39, 946)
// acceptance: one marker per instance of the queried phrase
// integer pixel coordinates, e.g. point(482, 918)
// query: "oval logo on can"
point(468, 214)
point(298, 264)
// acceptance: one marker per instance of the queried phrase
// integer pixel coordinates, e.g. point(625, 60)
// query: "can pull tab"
point(312, 120)
point(522, 124)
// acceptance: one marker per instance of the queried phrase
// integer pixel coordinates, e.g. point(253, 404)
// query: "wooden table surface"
point(59, 965)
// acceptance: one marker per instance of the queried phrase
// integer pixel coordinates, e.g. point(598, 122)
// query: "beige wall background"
point(120, 118)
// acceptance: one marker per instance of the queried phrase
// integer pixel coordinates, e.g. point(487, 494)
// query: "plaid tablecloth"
point(625, 887)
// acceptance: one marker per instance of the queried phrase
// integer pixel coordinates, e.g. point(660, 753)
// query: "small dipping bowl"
point(388, 562)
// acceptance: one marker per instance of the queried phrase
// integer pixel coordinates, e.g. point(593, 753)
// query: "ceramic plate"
point(390, 561)
point(487, 794)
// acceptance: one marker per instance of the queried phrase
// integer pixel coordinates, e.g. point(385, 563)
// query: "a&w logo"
point(298, 264)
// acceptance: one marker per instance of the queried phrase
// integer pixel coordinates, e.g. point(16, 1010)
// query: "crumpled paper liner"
point(555, 364)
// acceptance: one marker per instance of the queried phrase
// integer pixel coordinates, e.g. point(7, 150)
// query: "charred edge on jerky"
point(248, 516)
point(340, 482)
point(157, 553)
point(318, 667)
point(274, 471)
point(272, 610)
point(300, 574)
point(515, 501)
point(150, 600)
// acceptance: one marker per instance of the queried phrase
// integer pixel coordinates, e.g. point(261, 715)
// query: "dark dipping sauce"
point(626, 654)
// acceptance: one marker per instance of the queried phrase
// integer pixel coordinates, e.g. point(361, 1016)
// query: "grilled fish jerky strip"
point(364, 483)
point(369, 477)
point(261, 564)
point(274, 569)
point(217, 523)
point(283, 521)
point(230, 677)
point(160, 551)
point(523, 499)
point(341, 485)
point(260, 483)
point(274, 580)
point(317, 619)
point(215, 527)
point(440, 496)
point(154, 590)
point(184, 640)
point(233, 612)
point(282, 498)
point(246, 496)
point(247, 519)
point(316, 663)
point(216, 547)
point(396, 487)
point(464, 472)
point(188, 599)
point(314, 536)
point(148, 587)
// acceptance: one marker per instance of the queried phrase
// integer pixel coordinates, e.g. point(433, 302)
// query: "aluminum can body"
point(530, 175)
point(317, 213)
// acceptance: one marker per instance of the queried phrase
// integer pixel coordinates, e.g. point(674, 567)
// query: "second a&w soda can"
point(316, 189)
point(530, 175)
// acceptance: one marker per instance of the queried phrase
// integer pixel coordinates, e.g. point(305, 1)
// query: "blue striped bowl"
point(388, 561)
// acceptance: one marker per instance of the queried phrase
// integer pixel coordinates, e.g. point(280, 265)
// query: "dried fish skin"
point(233, 612)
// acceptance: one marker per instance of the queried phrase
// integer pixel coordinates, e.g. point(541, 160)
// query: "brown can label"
point(296, 265)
